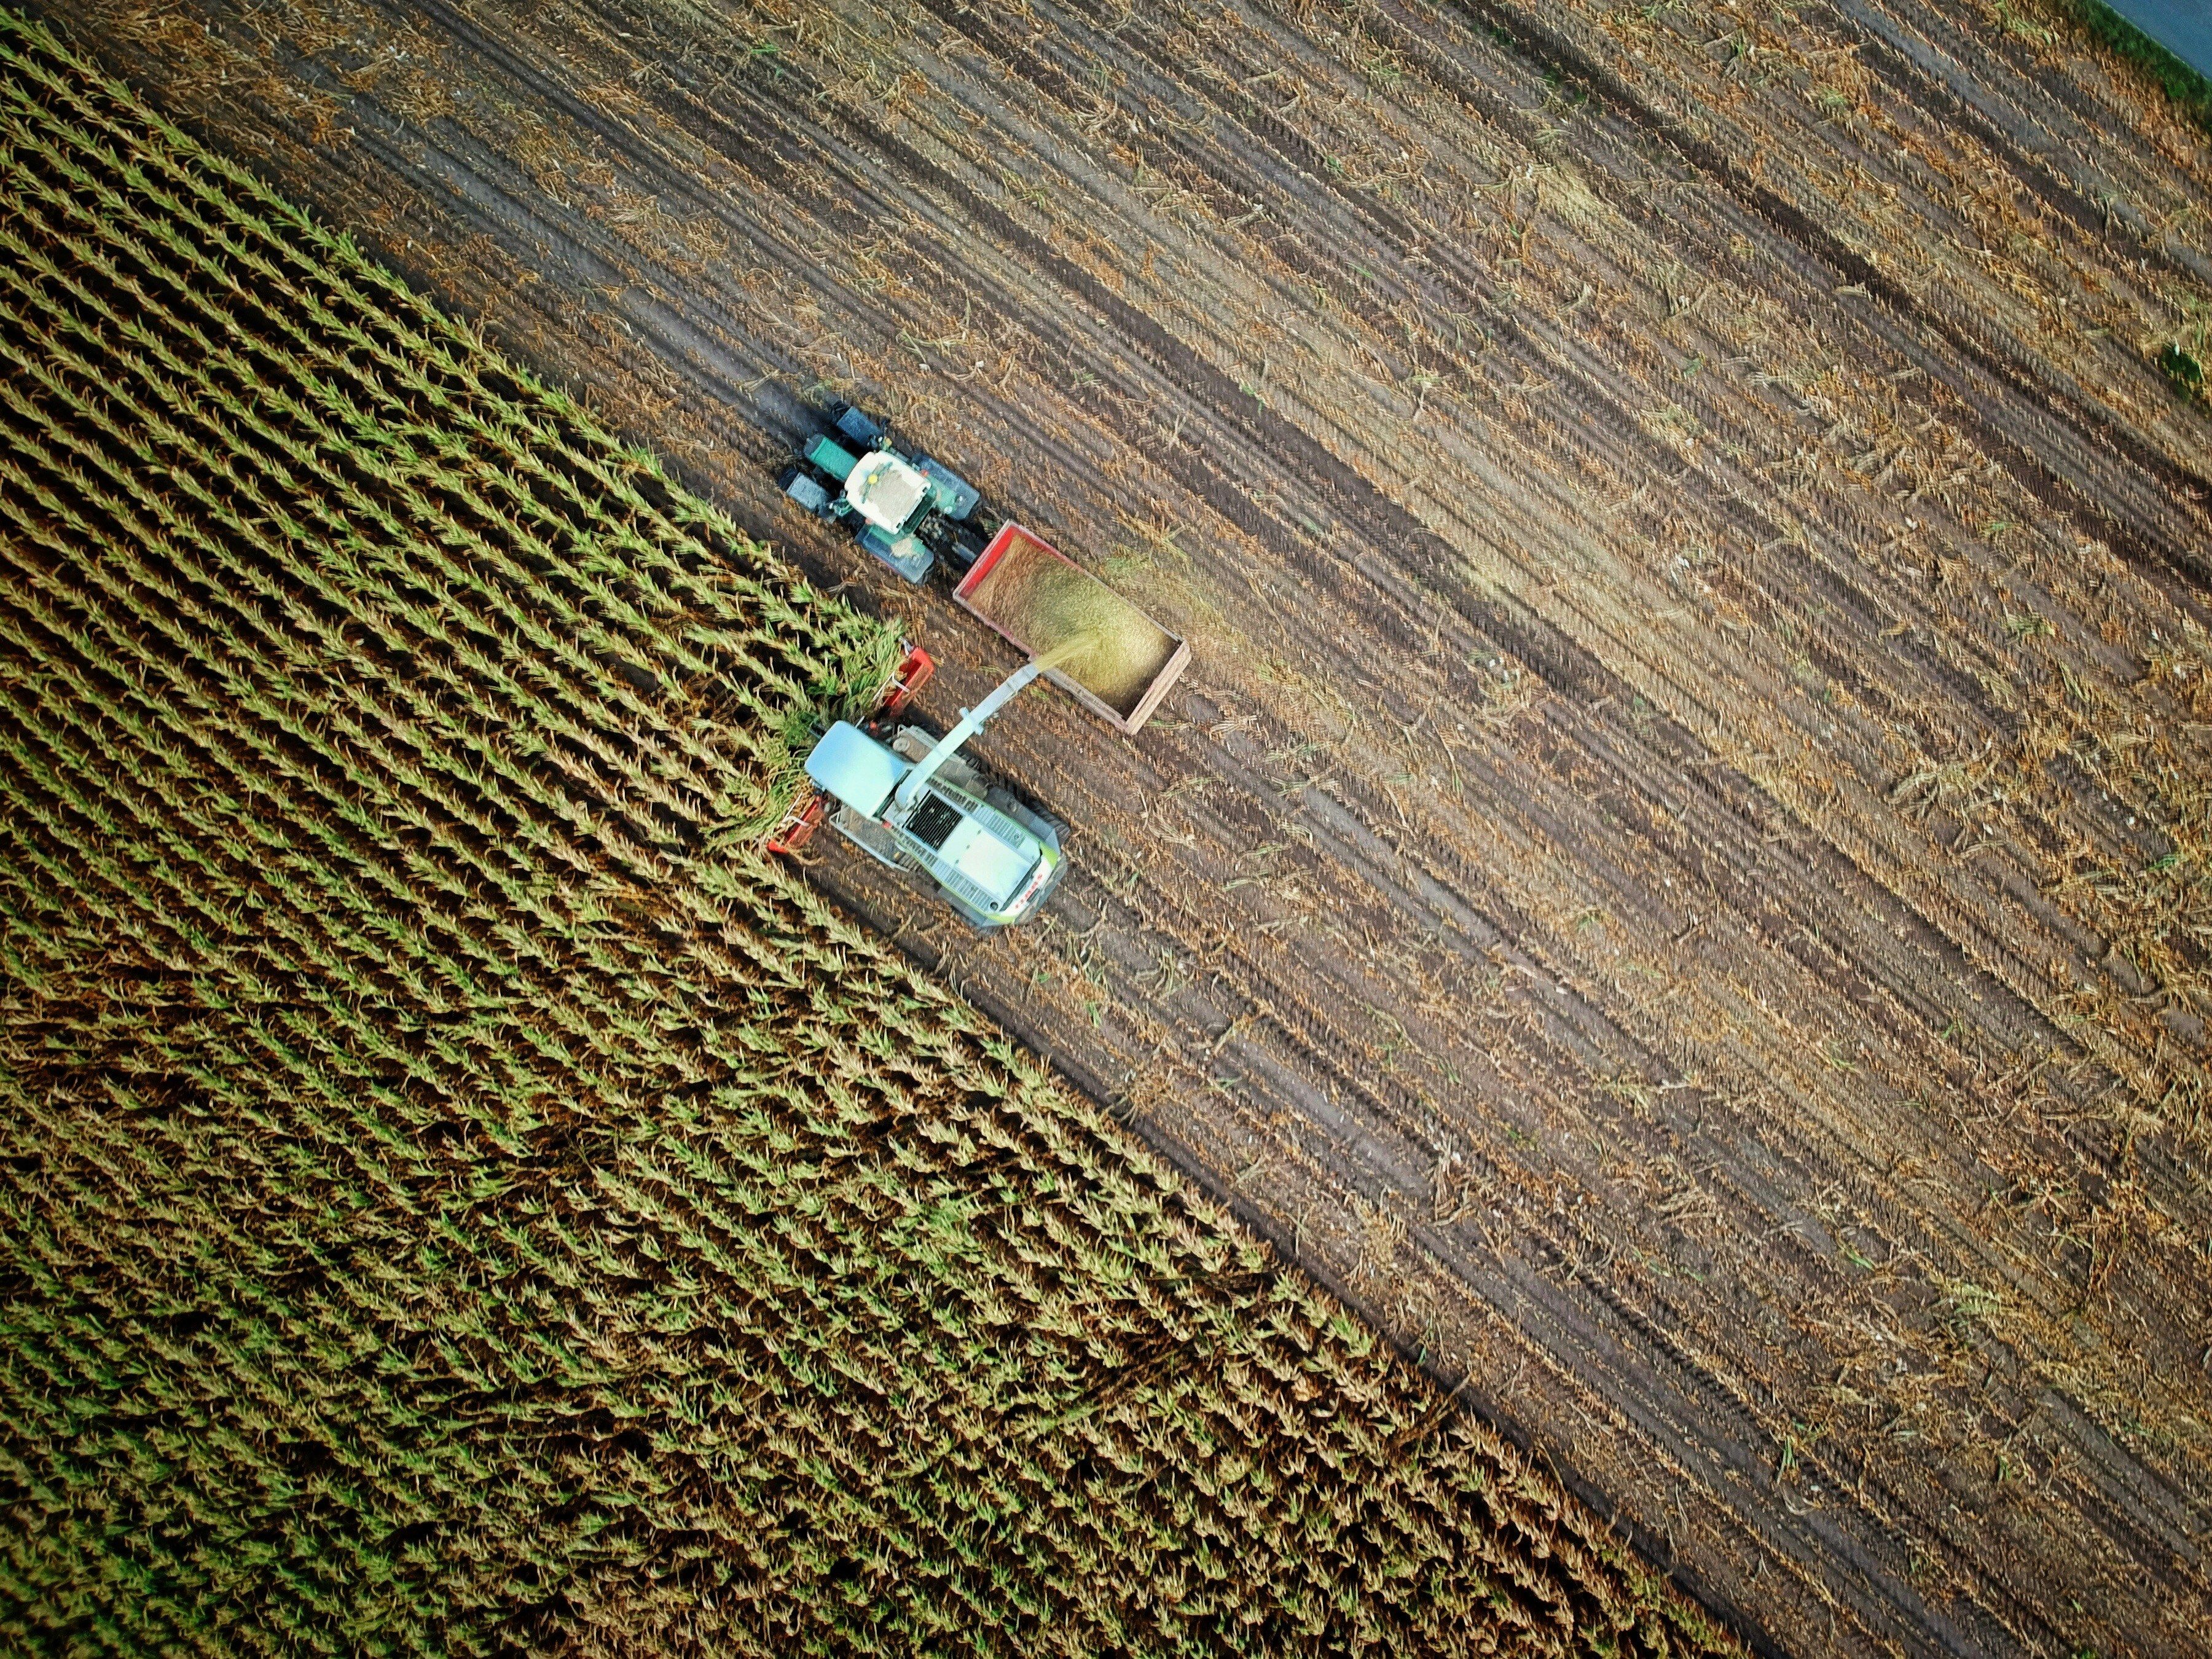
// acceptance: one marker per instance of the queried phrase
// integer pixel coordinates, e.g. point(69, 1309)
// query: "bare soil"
point(1677, 878)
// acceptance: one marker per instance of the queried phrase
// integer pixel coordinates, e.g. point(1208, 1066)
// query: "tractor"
point(907, 509)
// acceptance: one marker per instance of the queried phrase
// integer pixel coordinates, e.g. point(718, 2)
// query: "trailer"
point(1040, 601)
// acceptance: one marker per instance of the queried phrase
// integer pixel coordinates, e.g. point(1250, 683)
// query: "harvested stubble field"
point(1678, 877)
point(457, 1198)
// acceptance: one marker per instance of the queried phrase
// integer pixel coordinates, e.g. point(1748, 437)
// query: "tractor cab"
point(886, 491)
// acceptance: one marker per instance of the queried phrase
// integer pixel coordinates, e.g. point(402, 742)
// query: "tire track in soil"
point(1889, 42)
point(2162, 541)
point(2062, 481)
point(1626, 1215)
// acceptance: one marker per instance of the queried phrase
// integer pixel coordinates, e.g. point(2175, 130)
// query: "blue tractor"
point(907, 509)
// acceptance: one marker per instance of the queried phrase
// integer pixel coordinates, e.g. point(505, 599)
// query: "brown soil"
point(1678, 876)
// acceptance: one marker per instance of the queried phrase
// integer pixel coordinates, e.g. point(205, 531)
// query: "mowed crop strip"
point(456, 1196)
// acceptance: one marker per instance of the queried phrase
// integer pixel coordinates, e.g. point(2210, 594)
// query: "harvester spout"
point(972, 719)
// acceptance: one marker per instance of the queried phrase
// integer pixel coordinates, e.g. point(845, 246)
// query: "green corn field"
point(455, 1196)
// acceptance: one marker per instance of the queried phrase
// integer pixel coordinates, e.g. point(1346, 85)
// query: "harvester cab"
point(907, 509)
point(915, 803)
